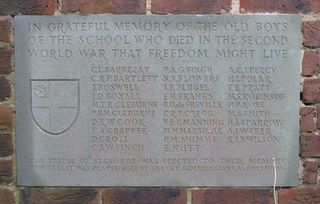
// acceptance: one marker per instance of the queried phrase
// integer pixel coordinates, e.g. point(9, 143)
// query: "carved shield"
point(55, 104)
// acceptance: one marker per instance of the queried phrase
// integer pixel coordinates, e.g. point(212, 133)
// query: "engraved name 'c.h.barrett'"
point(55, 103)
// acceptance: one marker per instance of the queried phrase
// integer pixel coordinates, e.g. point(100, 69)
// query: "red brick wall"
point(307, 192)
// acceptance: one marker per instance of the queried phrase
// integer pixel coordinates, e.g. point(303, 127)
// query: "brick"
point(144, 196)
point(307, 122)
point(59, 196)
point(310, 63)
point(311, 30)
point(5, 60)
point(5, 29)
point(7, 196)
point(281, 6)
point(310, 172)
point(191, 6)
point(311, 165)
point(311, 91)
point(28, 7)
point(5, 171)
point(6, 118)
point(309, 195)
point(104, 6)
point(310, 145)
point(232, 196)
point(5, 88)
point(318, 116)
point(6, 145)
point(310, 177)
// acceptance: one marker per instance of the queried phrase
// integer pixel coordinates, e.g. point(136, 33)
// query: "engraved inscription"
point(157, 100)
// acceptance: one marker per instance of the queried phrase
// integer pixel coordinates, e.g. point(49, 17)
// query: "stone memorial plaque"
point(180, 100)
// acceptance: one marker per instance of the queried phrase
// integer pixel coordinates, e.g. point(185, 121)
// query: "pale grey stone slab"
point(179, 100)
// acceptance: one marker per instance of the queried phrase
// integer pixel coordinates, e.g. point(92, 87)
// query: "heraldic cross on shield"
point(55, 104)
